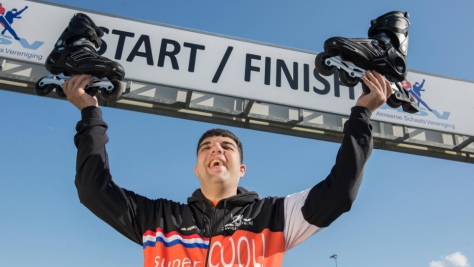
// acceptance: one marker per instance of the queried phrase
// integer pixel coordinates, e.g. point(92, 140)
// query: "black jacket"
point(242, 229)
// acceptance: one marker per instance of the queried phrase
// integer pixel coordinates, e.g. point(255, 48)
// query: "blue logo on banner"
point(425, 109)
point(416, 90)
point(7, 19)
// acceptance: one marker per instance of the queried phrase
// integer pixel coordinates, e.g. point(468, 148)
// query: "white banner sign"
point(205, 62)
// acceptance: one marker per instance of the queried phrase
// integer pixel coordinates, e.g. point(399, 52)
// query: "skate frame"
point(351, 69)
point(348, 66)
point(61, 78)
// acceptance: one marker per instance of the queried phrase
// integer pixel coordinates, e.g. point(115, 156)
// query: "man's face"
point(218, 162)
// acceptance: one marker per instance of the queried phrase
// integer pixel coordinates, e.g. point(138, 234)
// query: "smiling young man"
point(219, 164)
point(222, 224)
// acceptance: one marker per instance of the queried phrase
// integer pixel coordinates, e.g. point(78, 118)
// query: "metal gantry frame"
point(20, 77)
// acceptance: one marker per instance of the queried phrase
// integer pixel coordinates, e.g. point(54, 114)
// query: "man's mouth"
point(216, 163)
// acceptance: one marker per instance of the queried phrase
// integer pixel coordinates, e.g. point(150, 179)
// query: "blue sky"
point(411, 210)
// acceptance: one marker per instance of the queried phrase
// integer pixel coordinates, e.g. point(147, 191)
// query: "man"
point(222, 224)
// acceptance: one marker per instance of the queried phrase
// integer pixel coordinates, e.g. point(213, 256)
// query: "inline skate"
point(384, 51)
point(74, 53)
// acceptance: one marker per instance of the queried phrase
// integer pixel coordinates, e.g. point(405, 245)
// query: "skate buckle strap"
point(82, 25)
point(385, 41)
point(92, 34)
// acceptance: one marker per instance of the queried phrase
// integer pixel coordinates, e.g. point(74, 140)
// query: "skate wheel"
point(321, 66)
point(60, 92)
point(393, 101)
point(347, 80)
point(44, 89)
point(92, 90)
point(365, 88)
point(114, 93)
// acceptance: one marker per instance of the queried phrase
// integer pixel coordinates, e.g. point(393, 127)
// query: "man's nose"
point(217, 148)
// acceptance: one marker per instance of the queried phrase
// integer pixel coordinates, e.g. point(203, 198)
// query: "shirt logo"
point(237, 221)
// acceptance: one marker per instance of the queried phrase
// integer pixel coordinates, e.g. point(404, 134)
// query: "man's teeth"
point(216, 163)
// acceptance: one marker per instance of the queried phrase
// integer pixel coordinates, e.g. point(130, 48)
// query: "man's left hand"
point(380, 90)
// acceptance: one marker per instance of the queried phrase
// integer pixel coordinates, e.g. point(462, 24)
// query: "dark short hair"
point(223, 133)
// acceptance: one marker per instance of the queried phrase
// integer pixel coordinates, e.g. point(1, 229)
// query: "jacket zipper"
point(211, 233)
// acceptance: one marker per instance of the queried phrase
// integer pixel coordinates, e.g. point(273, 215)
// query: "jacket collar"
point(243, 197)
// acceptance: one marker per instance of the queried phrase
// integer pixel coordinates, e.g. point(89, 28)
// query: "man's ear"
point(196, 170)
point(243, 169)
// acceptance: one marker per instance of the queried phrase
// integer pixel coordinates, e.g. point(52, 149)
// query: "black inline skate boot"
point(74, 53)
point(384, 51)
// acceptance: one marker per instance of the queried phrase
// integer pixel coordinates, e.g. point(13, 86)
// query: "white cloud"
point(457, 259)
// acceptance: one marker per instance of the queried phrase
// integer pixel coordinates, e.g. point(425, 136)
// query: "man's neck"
point(215, 195)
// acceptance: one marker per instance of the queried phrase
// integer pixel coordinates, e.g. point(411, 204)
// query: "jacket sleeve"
point(116, 206)
point(333, 196)
point(315, 208)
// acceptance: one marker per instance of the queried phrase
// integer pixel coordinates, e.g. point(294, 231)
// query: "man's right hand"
point(75, 93)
